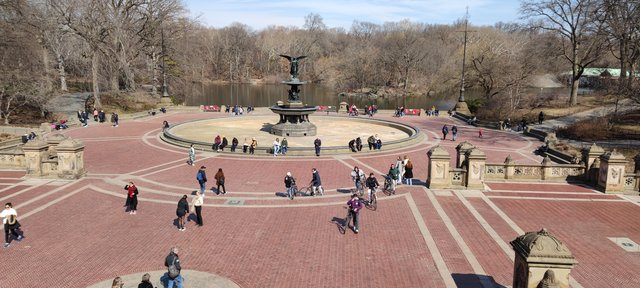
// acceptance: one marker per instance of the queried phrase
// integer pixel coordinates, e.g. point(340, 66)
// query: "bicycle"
point(388, 186)
point(372, 202)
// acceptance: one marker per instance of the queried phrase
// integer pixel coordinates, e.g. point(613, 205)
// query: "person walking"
point(354, 205)
point(254, 145)
point(289, 183)
point(480, 132)
point(284, 146)
point(115, 119)
point(220, 181)
point(317, 143)
point(357, 176)
point(316, 183)
point(197, 202)
point(181, 211)
point(408, 172)
point(132, 197)
point(202, 178)
point(276, 147)
point(172, 262)
point(445, 131)
point(11, 224)
point(454, 132)
point(393, 176)
point(192, 155)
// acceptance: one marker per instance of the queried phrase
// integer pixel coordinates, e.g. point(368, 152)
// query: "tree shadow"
point(473, 280)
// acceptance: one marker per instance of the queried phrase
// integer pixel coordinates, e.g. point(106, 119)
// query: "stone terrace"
point(77, 233)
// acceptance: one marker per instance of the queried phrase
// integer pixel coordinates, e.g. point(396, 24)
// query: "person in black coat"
point(181, 211)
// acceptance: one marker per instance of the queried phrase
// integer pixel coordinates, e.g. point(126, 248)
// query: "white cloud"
point(260, 14)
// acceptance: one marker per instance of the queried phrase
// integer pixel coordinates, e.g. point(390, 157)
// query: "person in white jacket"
point(10, 221)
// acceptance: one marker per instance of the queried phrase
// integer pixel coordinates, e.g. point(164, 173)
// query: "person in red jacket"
point(132, 197)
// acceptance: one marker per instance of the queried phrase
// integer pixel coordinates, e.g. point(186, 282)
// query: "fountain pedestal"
point(294, 115)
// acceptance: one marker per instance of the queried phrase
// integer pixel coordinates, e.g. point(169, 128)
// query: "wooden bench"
point(210, 108)
point(415, 112)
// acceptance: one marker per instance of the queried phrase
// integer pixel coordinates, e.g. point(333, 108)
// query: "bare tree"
point(573, 21)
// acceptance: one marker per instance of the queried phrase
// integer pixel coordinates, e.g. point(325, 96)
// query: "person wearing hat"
point(289, 183)
point(202, 179)
point(10, 221)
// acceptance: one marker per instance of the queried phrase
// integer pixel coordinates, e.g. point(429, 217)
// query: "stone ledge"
point(192, 279)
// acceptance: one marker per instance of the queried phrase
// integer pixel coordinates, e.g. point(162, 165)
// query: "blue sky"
point(260, 14)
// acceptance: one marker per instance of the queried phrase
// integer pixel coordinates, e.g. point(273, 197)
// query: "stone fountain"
point(294, 115)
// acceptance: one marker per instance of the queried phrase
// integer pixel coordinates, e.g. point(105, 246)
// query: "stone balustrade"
point(604, 170)
point(58, 157)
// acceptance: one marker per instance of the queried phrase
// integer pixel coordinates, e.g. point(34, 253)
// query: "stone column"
point(476, 161)
point(462, 150)
point(636, 162)
point(343, 107)
point(34, 153)
point(53, 140)
point(439, 165)
point(589, 156)
point(70, 159)
point(541, 260)
point(611, 176)
point(509, 170)
point(546, 168)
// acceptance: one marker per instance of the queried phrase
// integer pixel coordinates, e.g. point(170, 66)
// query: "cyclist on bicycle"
point(358, 176)
point(392, 175)
point(372, 184)
point(289, 183)
point(316, 184)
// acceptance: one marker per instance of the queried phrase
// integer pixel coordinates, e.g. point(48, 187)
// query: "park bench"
point(210, 108)
point(324, 109)
point(415, 112)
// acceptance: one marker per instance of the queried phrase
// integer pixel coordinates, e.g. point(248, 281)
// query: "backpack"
point(173, 270)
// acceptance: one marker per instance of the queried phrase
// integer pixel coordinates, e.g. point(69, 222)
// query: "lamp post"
point(461, 105)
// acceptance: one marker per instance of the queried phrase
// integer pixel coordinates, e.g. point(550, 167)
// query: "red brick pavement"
point(271, 241)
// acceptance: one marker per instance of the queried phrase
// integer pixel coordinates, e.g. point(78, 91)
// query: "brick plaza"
point(77, 233)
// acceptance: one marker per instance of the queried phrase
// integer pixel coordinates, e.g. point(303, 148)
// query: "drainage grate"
point(626, 244)
point(234, 202)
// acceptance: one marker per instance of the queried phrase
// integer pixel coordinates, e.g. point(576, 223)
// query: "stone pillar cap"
point(613, 156)
point(464, 145)
point(70, 144)
point(594, 148)
point(541, 246)
point(438, 152)
point(38, 143)
point(475, 153)
point(509, 160)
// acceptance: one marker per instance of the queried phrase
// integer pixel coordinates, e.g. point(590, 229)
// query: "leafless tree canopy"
point(52, 47)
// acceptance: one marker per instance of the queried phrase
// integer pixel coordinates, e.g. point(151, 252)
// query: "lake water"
point(266, 95)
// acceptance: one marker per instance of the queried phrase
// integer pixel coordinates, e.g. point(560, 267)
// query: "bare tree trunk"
point(575, 84)
point(154, 73)
point(62, 74)
point(47, 81)
point(623, 66)
point(94, 79)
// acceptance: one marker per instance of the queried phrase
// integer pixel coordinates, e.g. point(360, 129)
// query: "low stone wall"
point(533, 173)
point(12, 158)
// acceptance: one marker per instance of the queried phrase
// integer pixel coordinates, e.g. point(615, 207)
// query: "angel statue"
point(294, 65)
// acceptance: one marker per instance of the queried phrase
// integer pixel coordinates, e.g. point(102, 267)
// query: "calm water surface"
point(266, 95)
